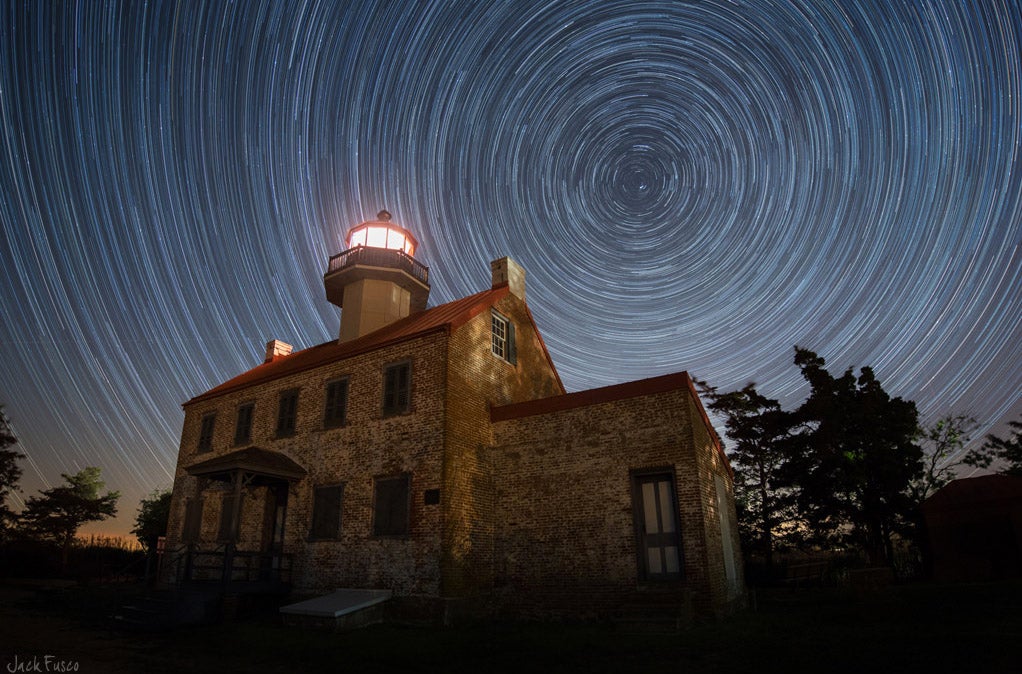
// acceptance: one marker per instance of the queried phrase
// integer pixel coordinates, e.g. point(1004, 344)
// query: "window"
point(390, 506)
point(287, 412)
point(326, 512)
point(397, 381)
point(336, 403)
point(243, 429)
point(503, 338)
point(656, 526)
point(193, 521)
point(206, 433)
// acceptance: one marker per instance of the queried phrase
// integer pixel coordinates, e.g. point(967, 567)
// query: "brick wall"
point(566, 540)
point(476, 380)
point(368, 446)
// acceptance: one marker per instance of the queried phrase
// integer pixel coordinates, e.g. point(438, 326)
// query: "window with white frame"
point(502, 341)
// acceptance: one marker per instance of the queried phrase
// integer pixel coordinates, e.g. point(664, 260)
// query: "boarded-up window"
point(192, 528)
point(206, 433)
point(391, 505)
point(243, 429)
point(287, 413)
point(336, 403)
point(326, 512)
point(397, 386)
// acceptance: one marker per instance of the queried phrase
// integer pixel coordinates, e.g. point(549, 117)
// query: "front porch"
point(234, 571)
point(246, 552)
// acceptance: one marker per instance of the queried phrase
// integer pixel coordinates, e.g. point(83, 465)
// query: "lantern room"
point(382, 233)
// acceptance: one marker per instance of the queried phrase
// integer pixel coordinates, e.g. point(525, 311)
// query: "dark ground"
point(912, 628)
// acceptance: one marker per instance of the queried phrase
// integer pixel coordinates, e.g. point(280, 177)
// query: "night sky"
point(689, 185)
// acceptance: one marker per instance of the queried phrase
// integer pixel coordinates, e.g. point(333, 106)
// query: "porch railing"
point(379, 257)
point(228, 566)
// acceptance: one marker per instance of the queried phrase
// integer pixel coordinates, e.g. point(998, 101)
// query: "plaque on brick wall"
point(431, 496)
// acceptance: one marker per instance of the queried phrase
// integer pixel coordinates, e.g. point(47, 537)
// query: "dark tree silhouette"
point(10, 472)
point(856, 458)
point(151, 519)
point(759, 430)
point(57, 513)
point(943, 443)
point(1007, 450)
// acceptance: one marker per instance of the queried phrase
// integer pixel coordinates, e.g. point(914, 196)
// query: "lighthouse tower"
point(376, 280)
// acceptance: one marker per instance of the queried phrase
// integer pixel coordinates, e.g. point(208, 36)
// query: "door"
point(656, 524)
point(273, 518)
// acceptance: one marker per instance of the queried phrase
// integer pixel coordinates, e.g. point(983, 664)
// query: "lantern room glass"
point(379, 236)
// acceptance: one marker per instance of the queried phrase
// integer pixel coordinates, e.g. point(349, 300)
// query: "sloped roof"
point(252, 460)
point(450, 315)
point(984, 489)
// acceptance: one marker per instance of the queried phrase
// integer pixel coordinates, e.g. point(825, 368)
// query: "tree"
point(58, 513)
point(945, 440)
point(855, 458)
point(1008, 450)
point(10, 471)
point(758, 428)
point(151, 519)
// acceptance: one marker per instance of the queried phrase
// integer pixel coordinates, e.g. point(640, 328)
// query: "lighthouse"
point(376, 280)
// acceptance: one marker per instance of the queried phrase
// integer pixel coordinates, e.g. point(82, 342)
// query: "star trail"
point(689, 185)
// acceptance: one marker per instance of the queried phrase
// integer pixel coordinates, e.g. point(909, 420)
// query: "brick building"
point(433, 452)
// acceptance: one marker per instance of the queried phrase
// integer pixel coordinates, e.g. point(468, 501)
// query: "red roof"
point(446, 316)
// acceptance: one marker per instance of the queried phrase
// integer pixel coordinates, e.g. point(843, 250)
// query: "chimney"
point(275, 348)
point(507, 271)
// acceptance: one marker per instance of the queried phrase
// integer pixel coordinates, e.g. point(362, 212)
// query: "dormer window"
point(502, 342)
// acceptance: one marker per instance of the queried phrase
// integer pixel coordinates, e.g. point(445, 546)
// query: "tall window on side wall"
point(397, 388)
point(336, 403)
point(502, 341)
point(206, 433)
point(658, 542)
point(243, 428)
point(287, 413)
point(326, 512)
point(391, 505)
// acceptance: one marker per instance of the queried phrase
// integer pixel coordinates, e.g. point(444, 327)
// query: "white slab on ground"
point(336, 604)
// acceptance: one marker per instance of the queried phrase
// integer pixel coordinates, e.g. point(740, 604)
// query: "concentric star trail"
point(690, 186)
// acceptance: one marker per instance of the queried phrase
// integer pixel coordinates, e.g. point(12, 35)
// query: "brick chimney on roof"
point(507, 271)
point(276, 348)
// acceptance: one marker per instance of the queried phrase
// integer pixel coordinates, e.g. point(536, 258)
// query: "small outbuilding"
point(974, 526)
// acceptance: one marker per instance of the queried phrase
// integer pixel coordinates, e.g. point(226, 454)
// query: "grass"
point(920, 628)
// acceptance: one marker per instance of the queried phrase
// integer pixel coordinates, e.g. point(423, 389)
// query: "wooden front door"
point(656, 523)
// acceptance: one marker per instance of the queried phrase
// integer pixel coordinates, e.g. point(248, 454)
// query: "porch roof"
point(254, 460)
